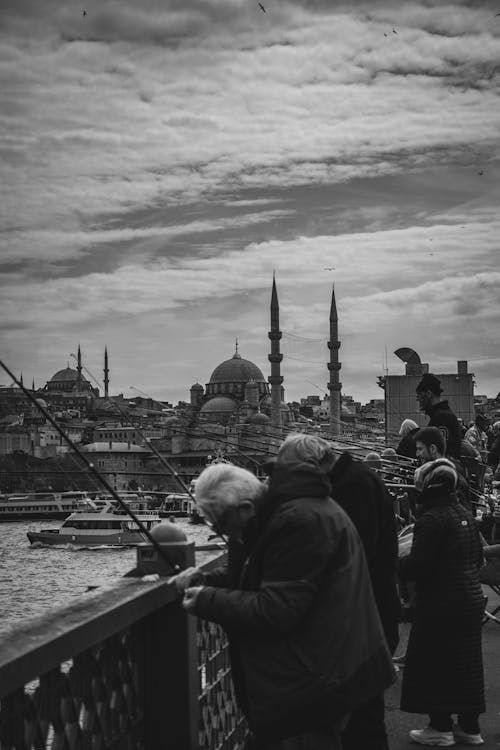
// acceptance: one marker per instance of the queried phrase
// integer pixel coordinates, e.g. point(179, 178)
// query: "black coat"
point(443, 417)
point(306, 641)
point(364, 497)
point(407, 446)
point(444, 668)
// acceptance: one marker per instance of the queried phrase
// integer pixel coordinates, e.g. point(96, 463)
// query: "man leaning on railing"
point(307, 646)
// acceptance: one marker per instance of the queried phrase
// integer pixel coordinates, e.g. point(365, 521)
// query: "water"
point(35, 579)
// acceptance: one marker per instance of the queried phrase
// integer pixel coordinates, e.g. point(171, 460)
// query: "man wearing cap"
point(429, 400)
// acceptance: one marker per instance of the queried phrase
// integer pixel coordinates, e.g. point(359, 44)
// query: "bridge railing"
point(124, 668)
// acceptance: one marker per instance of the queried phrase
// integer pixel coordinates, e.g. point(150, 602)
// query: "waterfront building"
point(118, 462)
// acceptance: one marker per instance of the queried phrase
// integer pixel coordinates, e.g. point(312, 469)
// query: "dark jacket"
point(443, 417)
point(306, 641)
point(494, 453)
point(364, 497)
point(444, 668)
point(407, 445)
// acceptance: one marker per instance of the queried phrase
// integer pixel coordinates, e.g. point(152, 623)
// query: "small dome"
point(68, 374)
point(219, 404)
point(196, 387)
point(259, 418)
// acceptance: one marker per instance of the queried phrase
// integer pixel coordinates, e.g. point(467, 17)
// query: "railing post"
point(171, 682)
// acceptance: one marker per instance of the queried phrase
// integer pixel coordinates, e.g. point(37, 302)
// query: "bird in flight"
point(262, 8)
point(394, 30)
point(329, 269)
point(385, 34)
point(84, 13)
point(481, 173)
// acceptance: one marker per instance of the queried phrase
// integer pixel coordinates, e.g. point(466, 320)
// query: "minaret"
point(334, 386)
point(79, 370)
point(33, 384)
point(275, 358)
point(106, 373)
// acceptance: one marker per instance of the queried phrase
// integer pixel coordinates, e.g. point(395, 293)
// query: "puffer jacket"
point(444, 667)
point(307, 644)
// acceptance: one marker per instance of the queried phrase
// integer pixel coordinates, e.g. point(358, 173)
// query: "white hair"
point(309, 449)
point(407, 425)
point(225, 484)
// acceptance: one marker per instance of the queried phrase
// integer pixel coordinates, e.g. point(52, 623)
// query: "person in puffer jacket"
point(307, 646)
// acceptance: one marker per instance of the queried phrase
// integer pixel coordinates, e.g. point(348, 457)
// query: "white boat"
point(32, 505)
point(101, 527)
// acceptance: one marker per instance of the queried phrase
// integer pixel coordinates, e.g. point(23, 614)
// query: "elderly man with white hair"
point(307, 646)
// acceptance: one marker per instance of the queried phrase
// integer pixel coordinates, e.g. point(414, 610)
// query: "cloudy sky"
point(159, 160)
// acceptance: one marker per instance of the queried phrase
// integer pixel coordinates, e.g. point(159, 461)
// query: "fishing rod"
point(158, 455)
point(174, 567)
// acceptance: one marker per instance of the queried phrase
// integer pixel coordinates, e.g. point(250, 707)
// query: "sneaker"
point(466, 739)
point(430, 736)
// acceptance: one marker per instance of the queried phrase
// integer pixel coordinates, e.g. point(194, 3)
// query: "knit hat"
point(429, 383)
point(407, 425)
point(438, 473)
point(373, 460)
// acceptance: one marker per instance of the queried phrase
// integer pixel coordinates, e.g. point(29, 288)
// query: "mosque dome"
point(67, 375)
point(236, 370)
point(196, 387)
point(219, 404)
point(259, 419)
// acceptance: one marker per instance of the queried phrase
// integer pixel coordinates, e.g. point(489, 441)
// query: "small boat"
point(106, 526)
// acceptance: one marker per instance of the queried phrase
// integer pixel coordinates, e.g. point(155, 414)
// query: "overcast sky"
point(160, 159)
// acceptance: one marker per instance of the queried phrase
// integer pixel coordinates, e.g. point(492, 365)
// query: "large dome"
point(67, 375)
point(236, 370)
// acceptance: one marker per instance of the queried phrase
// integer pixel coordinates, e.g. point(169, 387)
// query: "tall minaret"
point(334, 386)
point(106, 373)
point(79, 370)
point(275, 358)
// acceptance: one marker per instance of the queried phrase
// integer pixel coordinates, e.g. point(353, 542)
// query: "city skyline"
point(161, 161)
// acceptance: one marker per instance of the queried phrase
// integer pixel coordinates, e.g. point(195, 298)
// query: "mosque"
point(237, 392)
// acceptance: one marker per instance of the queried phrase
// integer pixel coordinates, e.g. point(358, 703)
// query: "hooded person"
point(361, 492)
point(407, 432)
point(306, 642)
point(443, 675)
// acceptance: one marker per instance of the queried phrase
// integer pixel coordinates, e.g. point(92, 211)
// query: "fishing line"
point(174, 568)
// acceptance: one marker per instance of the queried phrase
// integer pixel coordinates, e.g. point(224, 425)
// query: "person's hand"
point(190, 597)
point(187, 578)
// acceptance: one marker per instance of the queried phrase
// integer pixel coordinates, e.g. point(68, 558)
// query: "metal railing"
point(122, 668)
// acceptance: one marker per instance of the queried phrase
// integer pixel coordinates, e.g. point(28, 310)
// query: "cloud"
point(131, 139)
point(52, 245)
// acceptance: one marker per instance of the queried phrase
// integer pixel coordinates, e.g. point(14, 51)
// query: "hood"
point(287, 482)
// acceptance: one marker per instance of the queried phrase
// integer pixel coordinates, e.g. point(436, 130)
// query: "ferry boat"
point(34, 505)
point(106, 526)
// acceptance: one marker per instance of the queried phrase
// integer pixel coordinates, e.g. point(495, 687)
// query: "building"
point(119, 463)
point(400, 392)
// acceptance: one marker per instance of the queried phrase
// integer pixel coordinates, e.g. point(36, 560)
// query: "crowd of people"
point(310, 593)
